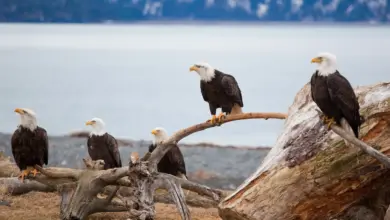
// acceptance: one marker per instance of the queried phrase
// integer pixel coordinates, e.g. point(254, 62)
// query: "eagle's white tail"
point(348, 129)
point(236, 110)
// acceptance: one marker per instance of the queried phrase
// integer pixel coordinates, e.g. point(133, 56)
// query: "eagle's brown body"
point(30, 148)
point(222, 92)
point(336, 98)
point(104, 147)
point(172, 162)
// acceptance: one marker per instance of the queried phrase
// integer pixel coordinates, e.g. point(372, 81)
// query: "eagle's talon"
point(330, 122)
point(23, 174)
point(220, 118)
point(35, 172)
point(213, 120)
point(324, 119)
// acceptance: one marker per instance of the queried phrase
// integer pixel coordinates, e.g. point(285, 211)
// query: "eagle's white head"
point(27, 118)
point(205, 71)
point(327, 63)
point(97, 125)
point(160, 134)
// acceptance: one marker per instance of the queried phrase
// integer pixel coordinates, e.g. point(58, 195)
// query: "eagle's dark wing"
point(152, 147)
point(176, 157)
point(231, 88)
point(342, 94)
point(114, 150)
point(312, 85)
point(203, 90)
point(44, 142)
point(89, 142)
point(15, 145)
point(91, 151)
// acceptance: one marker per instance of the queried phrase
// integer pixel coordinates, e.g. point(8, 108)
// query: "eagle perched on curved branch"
point(30, 145)
point(334, 95)
point(220, 90)
point(172, 162)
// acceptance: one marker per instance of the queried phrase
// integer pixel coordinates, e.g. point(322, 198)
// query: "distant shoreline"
point(127, 142)
point(210, 23)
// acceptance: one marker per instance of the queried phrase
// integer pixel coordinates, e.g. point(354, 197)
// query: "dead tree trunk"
point(310, 174)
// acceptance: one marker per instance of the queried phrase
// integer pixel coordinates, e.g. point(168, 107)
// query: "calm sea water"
point(136, 77)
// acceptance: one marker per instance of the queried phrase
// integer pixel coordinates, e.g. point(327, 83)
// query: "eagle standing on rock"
point(29, 143)
point(220, 90)
point(334, 95)
point(103, 146)
point(173, 161)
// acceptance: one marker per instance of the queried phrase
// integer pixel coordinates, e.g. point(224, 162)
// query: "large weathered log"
point(310, 174)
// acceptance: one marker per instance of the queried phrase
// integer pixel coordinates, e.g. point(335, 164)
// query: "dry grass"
point(45, 206)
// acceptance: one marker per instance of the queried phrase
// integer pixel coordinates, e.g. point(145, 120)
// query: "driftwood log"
point(311, 175)
point(13, 186)
point(79, 188)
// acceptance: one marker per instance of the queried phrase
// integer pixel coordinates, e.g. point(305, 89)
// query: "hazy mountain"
point(198, 10)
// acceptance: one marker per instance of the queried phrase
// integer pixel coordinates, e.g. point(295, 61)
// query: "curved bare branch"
point(159, 152)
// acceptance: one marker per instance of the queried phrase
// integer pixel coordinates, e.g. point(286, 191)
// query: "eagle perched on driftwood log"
point(102, 145)
point(29, 143)
point(220, 90)
point(173, 161)
point(334, 95)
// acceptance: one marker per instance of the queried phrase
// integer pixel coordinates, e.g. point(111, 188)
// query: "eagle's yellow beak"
point(154, 132)
point(19, 110)
point(193, 68)
point(316, 60)
point(89, 123)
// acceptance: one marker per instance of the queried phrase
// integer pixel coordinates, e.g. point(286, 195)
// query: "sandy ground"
point(45, 206)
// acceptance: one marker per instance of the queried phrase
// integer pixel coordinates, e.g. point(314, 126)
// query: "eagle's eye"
point(93, 121)
point(25, 112)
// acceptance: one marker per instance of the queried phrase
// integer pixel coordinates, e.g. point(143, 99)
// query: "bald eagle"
point(103, 146)
point(220, 90)
point(173, 161)
point(29, 143)
point(334, 95)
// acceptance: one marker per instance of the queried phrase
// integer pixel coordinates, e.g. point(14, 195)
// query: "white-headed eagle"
point(102, 145)
point(334, 95)
point(173, 161)
point(220, 90)
point(30, 145)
